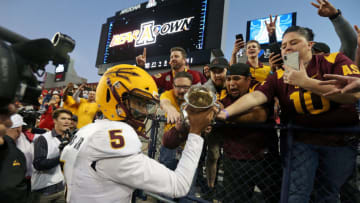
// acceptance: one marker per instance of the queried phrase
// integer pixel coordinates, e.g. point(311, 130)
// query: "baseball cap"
point(219, 62)
point(74, 118)
point(239, 69)
point(321, 47)
point(17, 121)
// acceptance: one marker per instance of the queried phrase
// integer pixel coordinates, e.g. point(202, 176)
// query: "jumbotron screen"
point(156, 26)
point(256, 29)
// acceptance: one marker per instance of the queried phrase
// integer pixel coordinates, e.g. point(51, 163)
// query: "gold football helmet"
point(126, 92)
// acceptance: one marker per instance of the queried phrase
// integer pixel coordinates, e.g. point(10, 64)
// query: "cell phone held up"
point(275, 48)
point(292, 60)
point(239, 36)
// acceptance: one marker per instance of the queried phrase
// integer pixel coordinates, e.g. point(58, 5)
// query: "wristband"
point(336, 15)
point(226, 113)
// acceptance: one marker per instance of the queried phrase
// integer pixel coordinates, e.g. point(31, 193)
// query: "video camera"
point(21, 58)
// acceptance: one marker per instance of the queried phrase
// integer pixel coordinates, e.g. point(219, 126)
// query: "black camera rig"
point(21, 58)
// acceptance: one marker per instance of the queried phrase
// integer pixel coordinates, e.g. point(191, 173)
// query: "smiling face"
point(252, 49)
point(177, 60)
point(218, 76)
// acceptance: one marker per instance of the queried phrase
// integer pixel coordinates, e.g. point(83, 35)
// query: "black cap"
point(74, 118)
point(321, 47)
point(239, 69)
point(219, 62)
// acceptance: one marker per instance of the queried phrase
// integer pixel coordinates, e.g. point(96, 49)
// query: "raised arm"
point(239, 44)
point(271, 28)
point(342, 27)
point(76, 95)
point(141, 59)
point(140, 171)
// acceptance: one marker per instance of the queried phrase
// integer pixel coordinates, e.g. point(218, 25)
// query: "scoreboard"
point(159, 26)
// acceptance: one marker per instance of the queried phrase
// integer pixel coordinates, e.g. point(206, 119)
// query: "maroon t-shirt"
point(306, 108)
point(165, 80)
point(246, 144)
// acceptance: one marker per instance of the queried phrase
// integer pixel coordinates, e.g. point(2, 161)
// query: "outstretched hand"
point(325, 8)
point(343, 84)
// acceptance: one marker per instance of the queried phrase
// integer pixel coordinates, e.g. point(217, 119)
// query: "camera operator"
point(48, 181)
point(13, 187)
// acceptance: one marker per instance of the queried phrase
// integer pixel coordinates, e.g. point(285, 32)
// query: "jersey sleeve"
point(268, 86)
point(342, 65)
point(166, 95)
point(142, 172)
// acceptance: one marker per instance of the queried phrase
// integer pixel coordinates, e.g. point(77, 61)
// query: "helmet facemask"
point(137, 105)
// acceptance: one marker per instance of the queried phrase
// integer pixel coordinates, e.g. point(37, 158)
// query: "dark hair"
point(182, 50)
point(58, 111)
point(253, 41)
point(304, 31)
point(183, 75)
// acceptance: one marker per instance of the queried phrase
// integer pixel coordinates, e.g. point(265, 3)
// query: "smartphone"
point(275, 48)
point(239, 36)
point(292, 60)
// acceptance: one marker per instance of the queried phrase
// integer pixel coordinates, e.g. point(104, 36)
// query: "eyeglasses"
point(184, 87)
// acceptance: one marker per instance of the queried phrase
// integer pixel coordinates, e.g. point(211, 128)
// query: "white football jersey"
point(104, 163)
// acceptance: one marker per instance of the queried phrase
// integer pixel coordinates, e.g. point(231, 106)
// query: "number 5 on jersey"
point(117, 140)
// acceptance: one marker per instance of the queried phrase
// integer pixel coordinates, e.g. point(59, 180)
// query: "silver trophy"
point(199, 98)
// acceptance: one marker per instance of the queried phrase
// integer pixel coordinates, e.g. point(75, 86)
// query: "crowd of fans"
point(322, 93)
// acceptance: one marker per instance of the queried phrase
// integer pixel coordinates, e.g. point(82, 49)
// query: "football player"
point(104, 163)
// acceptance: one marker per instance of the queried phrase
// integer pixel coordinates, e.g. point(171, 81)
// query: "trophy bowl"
point(198, 99)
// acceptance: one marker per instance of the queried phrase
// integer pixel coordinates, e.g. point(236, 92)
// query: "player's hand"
point(239, 44)
point(325, 8)
point(295, 77)
point(274, 60)
point(271, 26)
point(200, 120)
point(343, 84)
point(141, 59)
